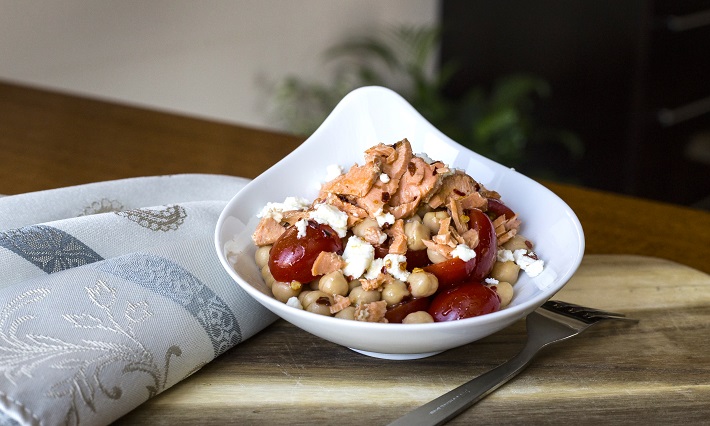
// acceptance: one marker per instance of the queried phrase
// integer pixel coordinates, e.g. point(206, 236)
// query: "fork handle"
point(452, 403)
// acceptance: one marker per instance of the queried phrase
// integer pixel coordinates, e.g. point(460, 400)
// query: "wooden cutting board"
point(655, 372)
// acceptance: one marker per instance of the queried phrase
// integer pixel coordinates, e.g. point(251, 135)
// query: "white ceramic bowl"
point(362, 119)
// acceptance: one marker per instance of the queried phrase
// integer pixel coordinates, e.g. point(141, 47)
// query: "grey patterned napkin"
point(111, 293)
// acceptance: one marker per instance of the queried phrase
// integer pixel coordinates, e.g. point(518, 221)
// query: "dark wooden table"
point(658, 372)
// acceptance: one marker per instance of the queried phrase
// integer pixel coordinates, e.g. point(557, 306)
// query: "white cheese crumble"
point(396, 265)
point(333, 171)
point(358, 256)
point(425, 157)
point(374, 269)
point(383, 218)
point(521, 257)
point(294, 302)
point(491, 281)
point(275, 210)
point(463, 252)
point(301, 225)
point(331, 216)
point(384, 178)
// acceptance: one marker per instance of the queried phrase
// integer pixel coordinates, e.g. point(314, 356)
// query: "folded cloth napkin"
point(111, 293)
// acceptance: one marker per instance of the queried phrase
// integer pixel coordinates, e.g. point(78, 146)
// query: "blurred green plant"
point(497, 122)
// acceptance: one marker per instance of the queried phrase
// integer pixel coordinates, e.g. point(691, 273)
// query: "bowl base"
point(396, 357)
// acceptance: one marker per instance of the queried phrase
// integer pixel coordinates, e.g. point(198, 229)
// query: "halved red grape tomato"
point(291, 258)
point(466, 300)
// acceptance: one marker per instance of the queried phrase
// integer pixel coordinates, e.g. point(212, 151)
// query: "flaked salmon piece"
point(486, 193)
point(458, 216)
point(378, 197)
point(355, 213)
point(371, 312)
point(398, 240)
point(357, 181)
point(506, 228)
point(470, 238)
point(505, 237)
point(376, 283)
point(327, 262)
point(267, 231)
point(442, 249)
point(417, 184)
point(456, 185)
point(293, 216)
point(393, 158)
point(341, 302)
point(473, 200)
point(446, 235)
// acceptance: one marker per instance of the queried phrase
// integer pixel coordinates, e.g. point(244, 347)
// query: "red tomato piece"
point(497, 208)
point(417, 259)
point(487, 247)
point(397, 312)
point(453, 271)
point(466, 300)
point(291, 258)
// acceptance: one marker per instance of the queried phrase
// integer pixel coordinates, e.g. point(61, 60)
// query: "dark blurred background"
point(631, 78)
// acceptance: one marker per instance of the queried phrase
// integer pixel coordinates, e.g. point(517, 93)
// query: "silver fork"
point(553, 322)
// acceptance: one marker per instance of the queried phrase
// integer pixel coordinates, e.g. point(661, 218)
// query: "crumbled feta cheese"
point(301, 225)
point(505, 255)
point(358, 256)
point(384, 218)
point(275, 210)
point(530, 265)
point(425, 157)
point(333, 171)
point(331, 216)
point(384, 177)
point(396, 265)
point(533, 267)
point(374, 269)
point(463, 252)
point(294, 302)
point(491, 281)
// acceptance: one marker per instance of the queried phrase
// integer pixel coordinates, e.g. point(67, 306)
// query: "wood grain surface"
point(653, 372)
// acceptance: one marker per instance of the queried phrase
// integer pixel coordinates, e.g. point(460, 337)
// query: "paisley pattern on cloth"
point(168, 218)
point(97, 315)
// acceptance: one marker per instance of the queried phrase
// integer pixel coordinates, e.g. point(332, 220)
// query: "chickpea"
point(419, 317)
point(283, 291)
point(518, 242)
point(416, 232)
point(266, 275)
point(358, 296)
point(333, 283)
point(367, 228)
point(308, 297)
point(394, 291)
point(352, 284)
point(347, 313)
point(431, 220)
point(434, 256)
point(320, 307)
point(262, 255)
point(505, 271)
point(505, 293)
point(317, 302)
point(422, 284)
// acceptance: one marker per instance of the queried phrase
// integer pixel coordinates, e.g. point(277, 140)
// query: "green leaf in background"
point(498, 123)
